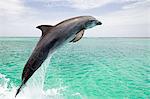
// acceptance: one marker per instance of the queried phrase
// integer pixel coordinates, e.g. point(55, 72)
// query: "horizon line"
point(83, 37)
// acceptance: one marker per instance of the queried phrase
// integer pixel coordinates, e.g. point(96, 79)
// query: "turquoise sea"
point(93, 68)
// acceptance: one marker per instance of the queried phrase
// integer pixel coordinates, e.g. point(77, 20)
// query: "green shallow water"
point(93, 68)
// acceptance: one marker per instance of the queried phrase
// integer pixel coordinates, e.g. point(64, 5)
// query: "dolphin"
point(70, 30)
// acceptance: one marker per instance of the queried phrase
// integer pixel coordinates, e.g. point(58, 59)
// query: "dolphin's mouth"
point(99, 23)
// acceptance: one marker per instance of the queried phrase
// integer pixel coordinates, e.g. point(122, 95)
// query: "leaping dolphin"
point(70, 30)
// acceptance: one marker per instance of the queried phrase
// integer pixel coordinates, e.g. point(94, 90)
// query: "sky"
point(120, 18)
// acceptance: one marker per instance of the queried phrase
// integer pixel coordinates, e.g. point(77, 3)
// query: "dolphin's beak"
point(99, 23)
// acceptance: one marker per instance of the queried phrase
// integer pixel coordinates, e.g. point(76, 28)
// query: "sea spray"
point(35, 85)
point(34, 88)
point(6, 89)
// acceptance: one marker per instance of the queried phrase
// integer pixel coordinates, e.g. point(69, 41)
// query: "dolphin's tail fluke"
point(19, 88)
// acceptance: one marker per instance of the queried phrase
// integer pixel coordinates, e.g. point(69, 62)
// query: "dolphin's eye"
point(91, 21)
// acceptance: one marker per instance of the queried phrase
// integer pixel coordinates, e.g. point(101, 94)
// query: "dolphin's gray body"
point(70, 30)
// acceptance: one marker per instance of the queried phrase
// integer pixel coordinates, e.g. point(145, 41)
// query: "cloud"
point(125, 17)
point(77, 4)
point(89, 4)
point(18, 19)
point(11, 7)
point(128, 22)
point(13, 19)
point(138, 4)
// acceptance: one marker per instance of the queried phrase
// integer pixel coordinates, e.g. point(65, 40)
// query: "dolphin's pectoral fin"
point(44, 28)
point(78, 36)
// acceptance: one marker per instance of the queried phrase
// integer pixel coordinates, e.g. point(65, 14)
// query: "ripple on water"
point(92, 68)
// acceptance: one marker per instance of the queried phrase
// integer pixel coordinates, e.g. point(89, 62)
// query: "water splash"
point(5, 92)
point(33, 89)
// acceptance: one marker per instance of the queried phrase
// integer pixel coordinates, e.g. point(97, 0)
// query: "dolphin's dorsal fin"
point(44, 28)
point(78, 36)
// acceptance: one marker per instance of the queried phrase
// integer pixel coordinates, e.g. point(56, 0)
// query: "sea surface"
point(92, 68)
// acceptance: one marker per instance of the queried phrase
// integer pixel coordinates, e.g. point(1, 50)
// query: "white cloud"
point(18, 20)
point(78, 4)
point(11, 7)
point(139, 4)
point(133, 22)
point(126, 17)
point(89, 4)
point(14, 18)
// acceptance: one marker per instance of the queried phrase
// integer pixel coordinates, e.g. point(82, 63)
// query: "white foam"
point(33, 89)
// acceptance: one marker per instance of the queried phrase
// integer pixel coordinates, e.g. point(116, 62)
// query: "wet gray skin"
point(70, 30)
